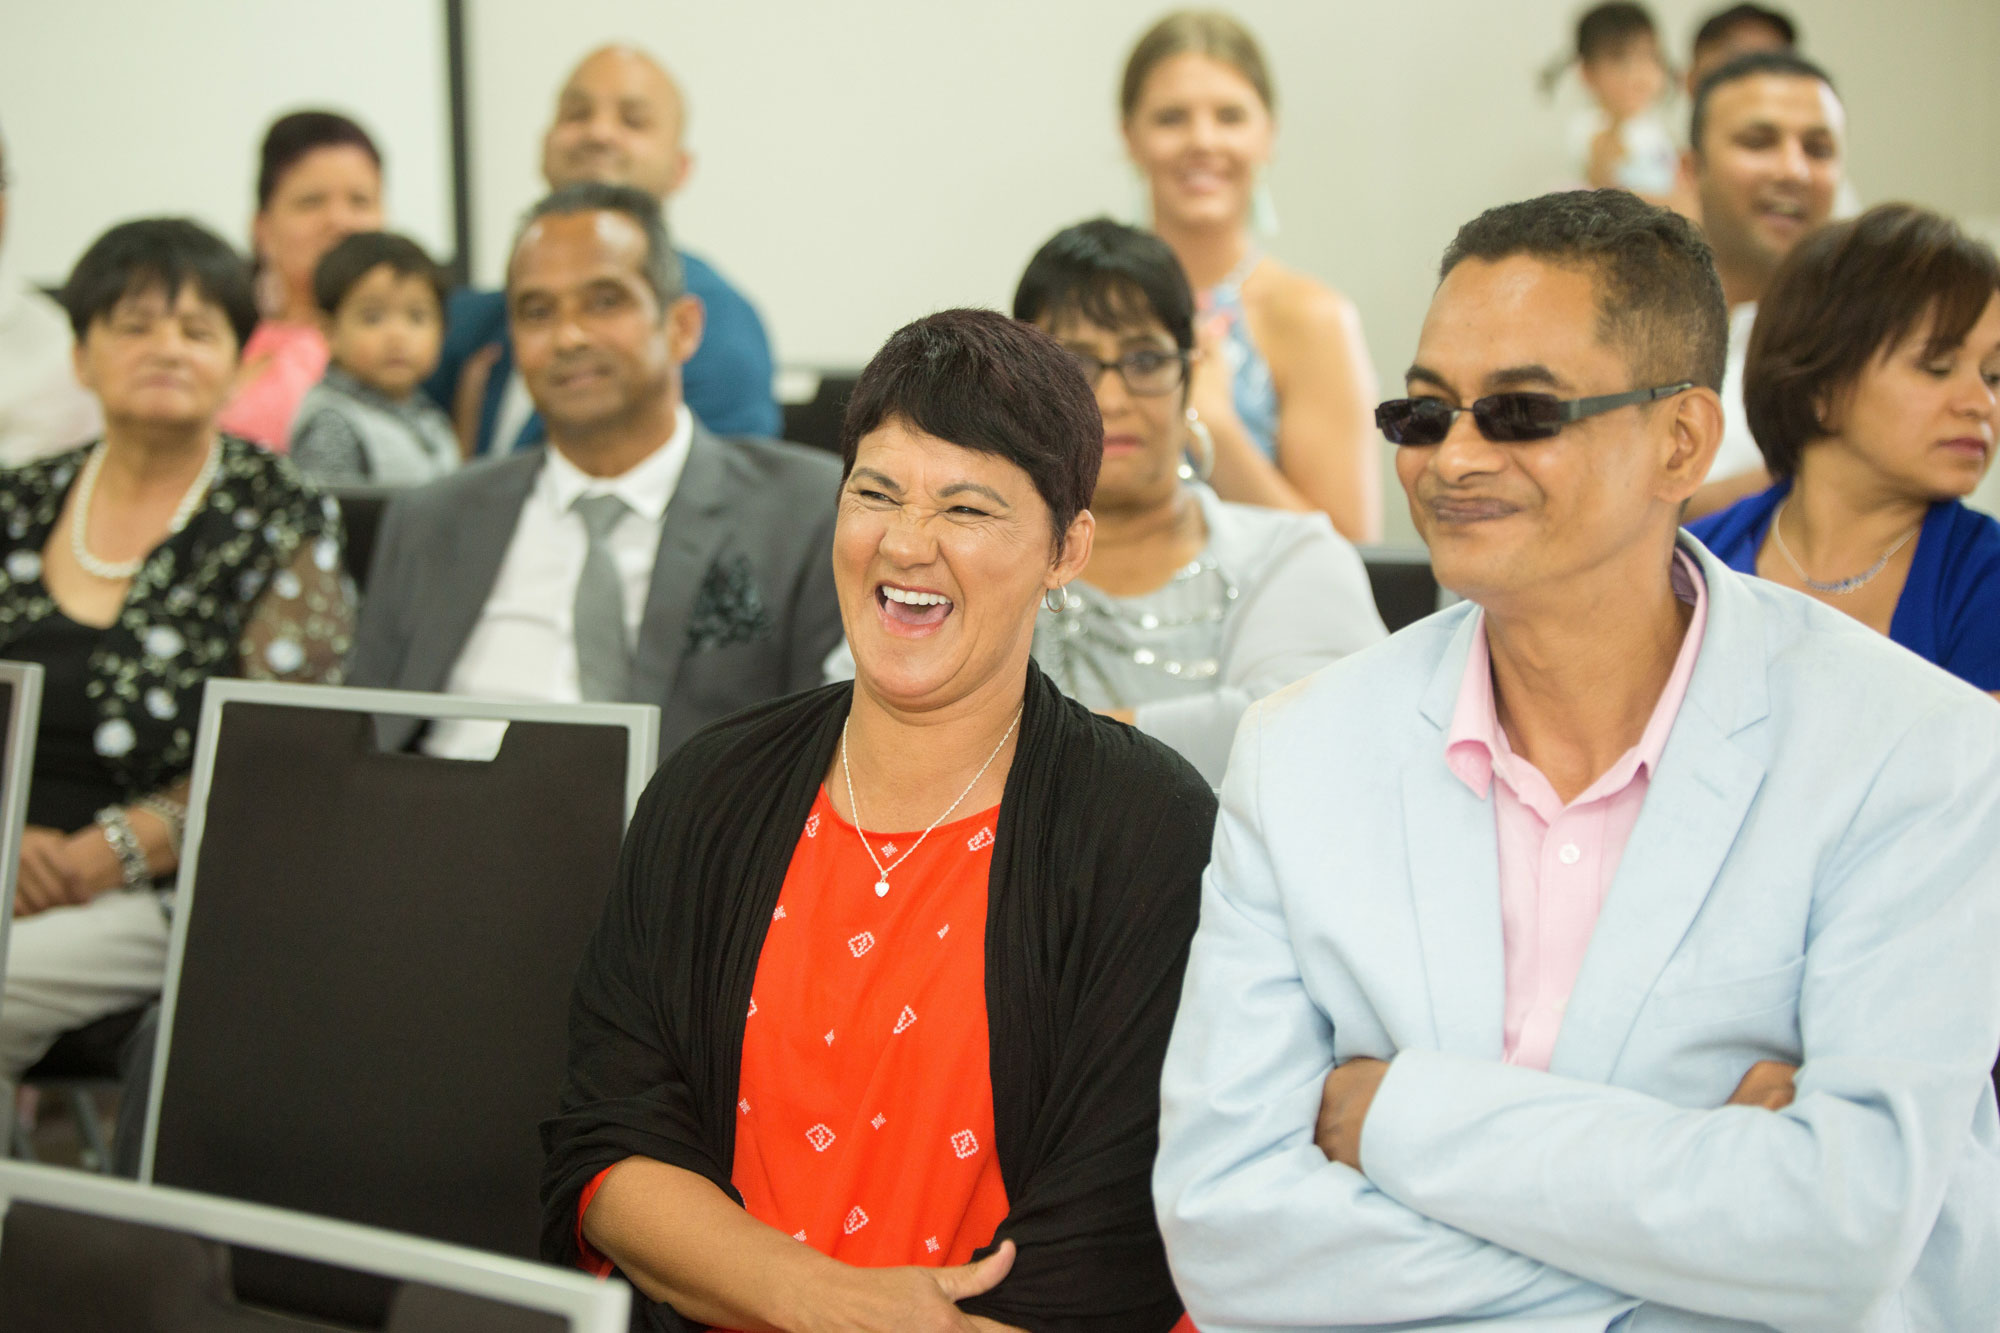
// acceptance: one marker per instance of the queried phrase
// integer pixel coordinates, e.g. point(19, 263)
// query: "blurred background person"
point(1735, 31)
point(127, 575)
point(43, 410)
point(381, 299)
point(619, 120)
point(1190, 607)
point(1767, 152)
point(1623, 141)
point(1290, 415)
point(1871, 386)
point(319, 178)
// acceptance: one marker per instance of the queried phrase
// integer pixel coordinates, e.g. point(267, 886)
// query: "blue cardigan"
point(727, 383)
point(1949, 612)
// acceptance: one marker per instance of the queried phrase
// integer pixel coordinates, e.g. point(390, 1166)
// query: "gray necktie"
point(603, 654)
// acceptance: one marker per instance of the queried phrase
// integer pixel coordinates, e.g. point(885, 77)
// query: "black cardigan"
point(1102, 838)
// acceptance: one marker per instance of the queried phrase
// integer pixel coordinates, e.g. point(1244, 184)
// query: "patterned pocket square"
point(728, 609)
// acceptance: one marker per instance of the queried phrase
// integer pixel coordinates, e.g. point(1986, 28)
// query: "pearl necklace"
point(1839, 587)
point(882, 871)
point(117, 571)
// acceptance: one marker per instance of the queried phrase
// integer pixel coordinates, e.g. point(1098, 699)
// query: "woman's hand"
point(891, 1300)
point(46, 879)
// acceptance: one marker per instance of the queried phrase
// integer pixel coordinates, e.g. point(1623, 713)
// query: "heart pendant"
point(881, 888)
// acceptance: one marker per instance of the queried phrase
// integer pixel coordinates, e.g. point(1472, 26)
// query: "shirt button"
point(1569, 854)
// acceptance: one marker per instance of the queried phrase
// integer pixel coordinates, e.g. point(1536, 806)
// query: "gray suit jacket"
point(741, 607)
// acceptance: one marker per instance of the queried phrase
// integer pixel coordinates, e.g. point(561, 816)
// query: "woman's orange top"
point(864, 1119)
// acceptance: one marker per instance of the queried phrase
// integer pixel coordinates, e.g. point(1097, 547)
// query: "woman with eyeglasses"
point(1872, 386)
point(1288, 404)
point(1190, 608)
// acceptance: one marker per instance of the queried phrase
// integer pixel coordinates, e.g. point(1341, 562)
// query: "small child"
point(1625, 142)
point(382, 302)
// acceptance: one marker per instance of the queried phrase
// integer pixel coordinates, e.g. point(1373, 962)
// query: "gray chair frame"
point(590, 1305)
point(641, 722)
point(17, 767)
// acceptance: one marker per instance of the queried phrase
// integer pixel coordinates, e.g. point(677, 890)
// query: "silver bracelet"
point(171, 813)
point(125, 845)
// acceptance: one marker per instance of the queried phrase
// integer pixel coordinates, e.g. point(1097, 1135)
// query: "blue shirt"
point(726, 384)
point(1949, 611)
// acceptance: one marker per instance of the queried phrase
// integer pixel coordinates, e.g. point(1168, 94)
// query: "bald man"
point(618, 121)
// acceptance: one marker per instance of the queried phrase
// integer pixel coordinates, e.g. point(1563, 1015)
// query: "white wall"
point(862, 163)
point(116, 109)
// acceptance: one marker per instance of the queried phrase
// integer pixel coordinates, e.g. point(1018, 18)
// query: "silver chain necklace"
point(1839, 587)
point(115, 571)
point(882, 883)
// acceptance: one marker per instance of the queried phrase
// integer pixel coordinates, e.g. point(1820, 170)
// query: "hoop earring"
point(1202, 443)
point(1056, 600)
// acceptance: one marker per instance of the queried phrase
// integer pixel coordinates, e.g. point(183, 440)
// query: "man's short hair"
point(356, 256)
point(663, 264)
point(982, 381)
point(1846, 294)
point(1658, 297)
point(164, 254)
point(1785, 64)
point(1717, 26)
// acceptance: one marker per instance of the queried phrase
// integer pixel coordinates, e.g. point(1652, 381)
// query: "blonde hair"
point(1202, 32)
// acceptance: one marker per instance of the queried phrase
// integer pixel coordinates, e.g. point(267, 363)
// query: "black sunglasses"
point(1505, 418)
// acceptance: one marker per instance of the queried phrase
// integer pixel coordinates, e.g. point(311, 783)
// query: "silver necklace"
point(1839, 587)
point(882, 871)
point(116, 571)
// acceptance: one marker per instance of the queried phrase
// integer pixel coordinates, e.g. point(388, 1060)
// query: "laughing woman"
point(891, 966)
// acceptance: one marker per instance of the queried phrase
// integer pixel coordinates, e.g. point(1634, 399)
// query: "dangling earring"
point(1263, 207)
point(1201, 444)
point(1056, 599)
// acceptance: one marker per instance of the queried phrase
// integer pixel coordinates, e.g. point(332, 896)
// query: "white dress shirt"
point(523, 647)
point(43, 410)
point(1738, 452)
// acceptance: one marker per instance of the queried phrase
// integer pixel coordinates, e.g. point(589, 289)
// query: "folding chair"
point(81, 1252)
point(367, 991)
point(1405, 589)
point(20, 719)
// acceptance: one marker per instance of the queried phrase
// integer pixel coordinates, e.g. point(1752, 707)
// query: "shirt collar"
point(1476, 747)
point(646, 487)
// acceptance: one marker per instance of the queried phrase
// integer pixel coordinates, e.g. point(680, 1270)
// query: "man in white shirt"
point(637, 558)
point(1767, 156)
point(43, 410)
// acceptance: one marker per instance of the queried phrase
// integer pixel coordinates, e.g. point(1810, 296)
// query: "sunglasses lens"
point(1416, 421)
point(1518, 416)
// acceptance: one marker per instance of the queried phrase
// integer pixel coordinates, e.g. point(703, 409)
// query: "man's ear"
point(682, 170)
point(685, 320)
point(1694, 432)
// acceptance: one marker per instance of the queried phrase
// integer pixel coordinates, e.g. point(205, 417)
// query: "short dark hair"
point(663, 264)
point(1785, 64)
point(1848, 293)
point(356, 256)
point(1606, 29)
point(1717, 26)
point(1658, 296)
point(291, 137)
point(983, 381)
point(1113, 275)
point(164, 254)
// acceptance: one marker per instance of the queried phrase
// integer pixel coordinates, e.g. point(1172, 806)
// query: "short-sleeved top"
point(865, 1104)
point(1949, 611)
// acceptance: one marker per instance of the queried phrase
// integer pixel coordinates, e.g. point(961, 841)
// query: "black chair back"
point(1405, 589)
point(360, 520)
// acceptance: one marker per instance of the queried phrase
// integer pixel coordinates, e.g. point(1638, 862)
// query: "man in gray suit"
point(637, 558)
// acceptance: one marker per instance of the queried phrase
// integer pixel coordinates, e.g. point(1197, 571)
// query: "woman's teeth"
point(915, 598)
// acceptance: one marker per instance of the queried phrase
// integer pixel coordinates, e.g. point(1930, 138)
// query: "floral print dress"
point(253, 586)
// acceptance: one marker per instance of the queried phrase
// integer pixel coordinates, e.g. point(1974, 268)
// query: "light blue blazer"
point(1815, 877)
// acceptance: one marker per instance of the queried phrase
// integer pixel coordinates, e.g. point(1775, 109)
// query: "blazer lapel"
point(691, 534)
point(472, 554)
point(1454, 875)
point(1695, 803)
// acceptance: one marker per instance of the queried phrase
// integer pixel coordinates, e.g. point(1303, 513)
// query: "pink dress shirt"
point(263, 409)
point(1557, 861)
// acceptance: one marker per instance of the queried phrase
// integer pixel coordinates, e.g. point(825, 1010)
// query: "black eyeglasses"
point(1147, 372)
point(1505, 418)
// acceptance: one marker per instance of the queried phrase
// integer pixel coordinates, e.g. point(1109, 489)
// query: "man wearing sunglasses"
point(1614, 950)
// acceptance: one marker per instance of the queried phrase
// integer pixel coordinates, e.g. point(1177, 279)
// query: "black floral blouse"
point(253, 586)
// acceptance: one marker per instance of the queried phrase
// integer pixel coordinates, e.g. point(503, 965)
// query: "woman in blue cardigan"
point(1872, 385)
